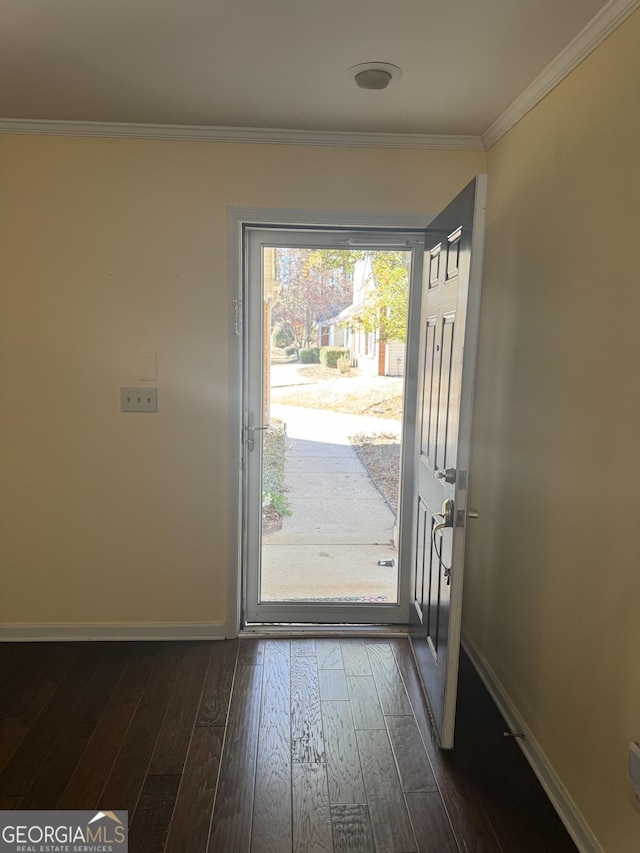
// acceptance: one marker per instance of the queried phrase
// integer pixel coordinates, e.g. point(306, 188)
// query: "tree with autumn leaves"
point(383, 308)
point(317, 284)
point(312, 291)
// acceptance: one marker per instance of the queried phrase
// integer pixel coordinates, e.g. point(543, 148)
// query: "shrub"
point(343, 364)
point(280, 337)
point(273, 453)
point(280, 504)
point(329, 355)
point(273, 449)
point(309, 355)
point(288, 351)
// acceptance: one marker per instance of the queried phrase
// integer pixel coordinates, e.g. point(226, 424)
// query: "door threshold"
point(295, 631)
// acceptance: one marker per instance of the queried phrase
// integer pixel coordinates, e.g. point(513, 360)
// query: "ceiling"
point(280, 63)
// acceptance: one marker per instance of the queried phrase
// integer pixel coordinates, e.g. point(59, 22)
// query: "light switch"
point(138, 399)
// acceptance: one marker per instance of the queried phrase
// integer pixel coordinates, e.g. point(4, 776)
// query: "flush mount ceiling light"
point(374, 75)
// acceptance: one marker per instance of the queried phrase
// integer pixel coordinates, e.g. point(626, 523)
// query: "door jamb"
point(237, 218)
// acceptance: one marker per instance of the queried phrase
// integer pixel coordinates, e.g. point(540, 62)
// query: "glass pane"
point(335, 324)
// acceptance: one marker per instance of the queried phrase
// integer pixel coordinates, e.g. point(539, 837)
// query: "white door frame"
point(238, 218)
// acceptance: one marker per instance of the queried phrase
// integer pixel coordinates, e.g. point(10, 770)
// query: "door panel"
point(449, 320)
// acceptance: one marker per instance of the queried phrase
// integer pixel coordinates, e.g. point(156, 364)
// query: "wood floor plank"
point(14, 658)
point(355, 657)
point(413, 762)
point(391, 689)
point(329, 654)
point(272, 806)
point(279, 648)
point(126, 779)
point(231, 826)
point(102, 683)
point(19, 772)
point(303, 648)
point(333, 684)
point(191, 822)
point(12, 732)
point(389, 816)
point(250, 652)
point(150, 827)
point(56, 770)
point(431, 824)
point(177, 727)
point(94, 766)
point(365, 705)
point(312, 831)
point(526, 821)
point(344, 774)
point(24, 693)
point(307, 744)
point(216, 693)
point(352, 831)
point(9, 803)
point(31, 689)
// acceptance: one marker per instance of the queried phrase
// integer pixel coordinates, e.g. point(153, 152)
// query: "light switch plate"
point(138, 399)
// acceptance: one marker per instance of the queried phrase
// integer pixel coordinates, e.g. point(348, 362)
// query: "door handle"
point(447, 476)
point(251, 433)
point(446, 514)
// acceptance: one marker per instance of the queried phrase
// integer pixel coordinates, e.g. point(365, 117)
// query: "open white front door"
point(449, 317)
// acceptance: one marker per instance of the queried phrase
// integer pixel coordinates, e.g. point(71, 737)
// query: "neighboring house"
point(368, 352)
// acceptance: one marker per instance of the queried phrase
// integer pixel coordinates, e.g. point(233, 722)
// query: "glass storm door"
point(322, 539)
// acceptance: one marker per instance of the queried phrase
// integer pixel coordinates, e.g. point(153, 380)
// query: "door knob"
point(448, 476)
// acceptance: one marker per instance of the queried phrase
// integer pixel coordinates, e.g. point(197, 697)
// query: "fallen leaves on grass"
point(353, 393)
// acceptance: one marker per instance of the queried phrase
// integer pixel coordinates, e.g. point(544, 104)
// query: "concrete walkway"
point(340, 525)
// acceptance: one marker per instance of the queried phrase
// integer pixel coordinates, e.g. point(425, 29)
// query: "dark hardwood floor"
point(264, 746)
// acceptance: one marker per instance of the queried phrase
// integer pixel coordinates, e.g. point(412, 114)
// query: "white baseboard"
point(48, 632)
point(567, 810)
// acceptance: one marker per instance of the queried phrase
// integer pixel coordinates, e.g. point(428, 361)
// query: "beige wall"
point(111, 248)
point(553, 582)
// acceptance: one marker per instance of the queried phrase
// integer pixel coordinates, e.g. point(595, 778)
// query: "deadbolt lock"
point(446, 476)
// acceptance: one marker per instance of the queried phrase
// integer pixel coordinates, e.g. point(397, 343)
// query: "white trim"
point(561, 800)
point(264, 135)
point(595, 32)
point(61, 631)
point(267, 217)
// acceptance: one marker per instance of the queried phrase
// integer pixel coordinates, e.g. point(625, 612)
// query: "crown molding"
point(595, 32)
point(257, 135)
